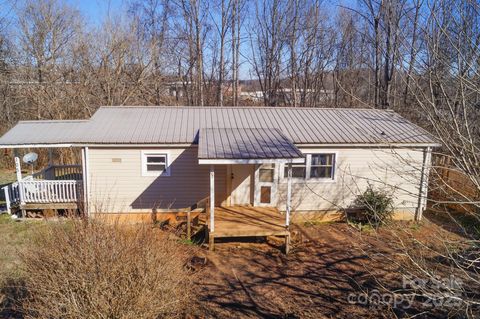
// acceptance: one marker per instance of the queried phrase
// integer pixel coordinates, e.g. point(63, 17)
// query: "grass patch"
point(7, 176)
point(16, 236)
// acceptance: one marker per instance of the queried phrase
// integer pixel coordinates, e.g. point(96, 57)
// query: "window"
point(322, 165)
point(298, 170)
point(155, 164)
point(266, 173)
point(319, 166)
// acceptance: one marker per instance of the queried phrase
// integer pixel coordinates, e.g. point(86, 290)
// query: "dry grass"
point(15, 236)
point(76, 269)
point(7, 176)
point(97, 270)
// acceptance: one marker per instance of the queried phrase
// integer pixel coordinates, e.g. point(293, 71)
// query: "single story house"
point(297, 163)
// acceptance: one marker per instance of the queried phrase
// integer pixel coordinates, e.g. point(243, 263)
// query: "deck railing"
point(60, 172)
point(12, 195)
point(55, 184)
point(41, 191)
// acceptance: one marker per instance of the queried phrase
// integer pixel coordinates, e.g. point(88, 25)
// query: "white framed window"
point(317, 167)
point(322, 166)
point(299, 170)
point(155, 163)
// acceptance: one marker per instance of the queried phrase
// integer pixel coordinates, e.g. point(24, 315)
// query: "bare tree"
point(268, 43)
point(222, 29)
point(293, 16)
point(237, 18)
point(444, 87)
point(193, 29)
point(151, 19)
point(6, 68)
point(48, 28)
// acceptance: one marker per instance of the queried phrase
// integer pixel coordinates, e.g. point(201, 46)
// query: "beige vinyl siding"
point(116, 183)
point(395, 170)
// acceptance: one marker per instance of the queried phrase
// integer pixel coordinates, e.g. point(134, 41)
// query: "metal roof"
point(180, 125)
point(44, 132)
point(245, 143)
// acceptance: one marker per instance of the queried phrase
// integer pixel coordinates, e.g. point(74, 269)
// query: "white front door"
point(266, 185)
point(241, 181)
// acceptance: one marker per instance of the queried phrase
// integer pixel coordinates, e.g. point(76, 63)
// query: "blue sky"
point(95, 10)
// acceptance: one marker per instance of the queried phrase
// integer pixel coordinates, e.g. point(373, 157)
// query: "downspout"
point(85, 181)
point(422, 198)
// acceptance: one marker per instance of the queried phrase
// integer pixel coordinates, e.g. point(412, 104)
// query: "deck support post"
point(18, 171)
point(7, 200)
point(189, 225)
point(289, 195)
point(287, 244)
point(211, 241)
point(289, 206)
point(212, 207)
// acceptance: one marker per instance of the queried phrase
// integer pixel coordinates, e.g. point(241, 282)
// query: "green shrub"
point(376, 207)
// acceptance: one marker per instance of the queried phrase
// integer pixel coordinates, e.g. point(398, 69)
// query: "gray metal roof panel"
point(172, 125)
point(245, 143)
point(44, 132)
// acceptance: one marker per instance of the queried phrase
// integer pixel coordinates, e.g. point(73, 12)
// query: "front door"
point(266, 185)
point(241, 179)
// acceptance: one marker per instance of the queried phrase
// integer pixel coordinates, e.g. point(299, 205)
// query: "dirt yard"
point(327, 264)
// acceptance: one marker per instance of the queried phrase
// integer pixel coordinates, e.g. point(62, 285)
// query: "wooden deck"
point(246, 221)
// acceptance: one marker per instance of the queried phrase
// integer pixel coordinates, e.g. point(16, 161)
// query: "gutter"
point(129, 145)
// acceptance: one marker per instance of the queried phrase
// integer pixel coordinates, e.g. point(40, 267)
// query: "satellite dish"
point(30, 158)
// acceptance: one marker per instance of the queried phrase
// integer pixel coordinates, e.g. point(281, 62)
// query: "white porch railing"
point(54, 184)
point(12, 195)
point(40, 191)
point(60, 172)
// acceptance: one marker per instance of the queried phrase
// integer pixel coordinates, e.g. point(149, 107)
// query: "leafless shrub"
point(90, 269)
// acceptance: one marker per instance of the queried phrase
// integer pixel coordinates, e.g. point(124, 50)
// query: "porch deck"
point(55, 187)
point(247, 221)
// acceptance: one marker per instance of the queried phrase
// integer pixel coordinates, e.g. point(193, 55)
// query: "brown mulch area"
point(327, 263)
